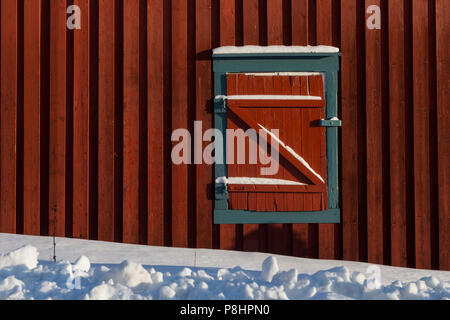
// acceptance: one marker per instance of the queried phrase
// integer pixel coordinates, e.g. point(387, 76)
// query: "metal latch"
point(332, 122)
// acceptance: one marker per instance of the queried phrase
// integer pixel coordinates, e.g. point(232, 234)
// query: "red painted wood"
point(374, 145)
point(252, 232)
point(250, 21)
point(285, 237)
point(397, 132)
point(276, 236)
point(421, 94)
point(299, 12)
point(58, 118)
point(324, 33)
point(80, 226)
point(296, 232)
point(239, 84)
point(156, 167)
point(349, 110)
point(8, 116)
point(319, 155)
point(248, 119)
point(312, 229)
point(131, 76)
point(279, 113)
point(306, 204)
point(275, 22)
point(261, 197)
point(227, 37)
point(31, 116)
point(272, 201)
point(251, 202)
point(443, 118)
point(324, 23)
point(300, 27)
point(316, 87)
point(107, 160)
point(227, 23)
point(204, 89)
point(300, 232)
point(280, 200)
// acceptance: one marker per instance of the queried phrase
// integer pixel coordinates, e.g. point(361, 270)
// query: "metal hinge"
point(221, 191)
point(220, 104)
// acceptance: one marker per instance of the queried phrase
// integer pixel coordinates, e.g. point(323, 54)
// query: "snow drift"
point(23, 277)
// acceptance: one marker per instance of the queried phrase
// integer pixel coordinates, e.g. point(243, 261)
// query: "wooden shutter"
point(295, 118)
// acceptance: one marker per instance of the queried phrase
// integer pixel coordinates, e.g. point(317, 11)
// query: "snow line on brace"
point(291, 151)
point(291, 74)
point(270, 97)
point(257, 181)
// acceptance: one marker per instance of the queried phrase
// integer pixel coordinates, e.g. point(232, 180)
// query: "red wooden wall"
point(86, 118)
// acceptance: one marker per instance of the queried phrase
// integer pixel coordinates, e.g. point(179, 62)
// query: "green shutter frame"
point(327, 63)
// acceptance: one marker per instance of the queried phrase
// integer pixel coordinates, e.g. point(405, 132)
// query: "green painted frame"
point(327, 63)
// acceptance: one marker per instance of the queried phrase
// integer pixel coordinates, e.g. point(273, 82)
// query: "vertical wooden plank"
point(324, 32)
point(106, 120)
point(275, 22)
point(300, 27)
point(319, 160)
point(324, 11)
point(397, 116)
point(32, 114)
point(443, 131)
point(81, 125)
point(155, 11)
point(289, 126)
point(227, 38)
point(317, 201)
point(374, 144)
point(300, 23)
point(58, 117)
point(179, 120)
point(243, 200)
point(251, 205)
point(276, 235)
point(350, 155)
point(227, 23)
point(251, 25)
point(8, 115)
point(251, 37)
point(286, 239)
point(275, 232)
point(421, 98)
point(131, 76)
point(204, 84)
point(242, 85)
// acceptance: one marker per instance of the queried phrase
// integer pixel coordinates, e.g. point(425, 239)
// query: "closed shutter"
point(293, 105)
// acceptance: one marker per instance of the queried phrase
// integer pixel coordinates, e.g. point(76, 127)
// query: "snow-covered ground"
point(101, 270)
